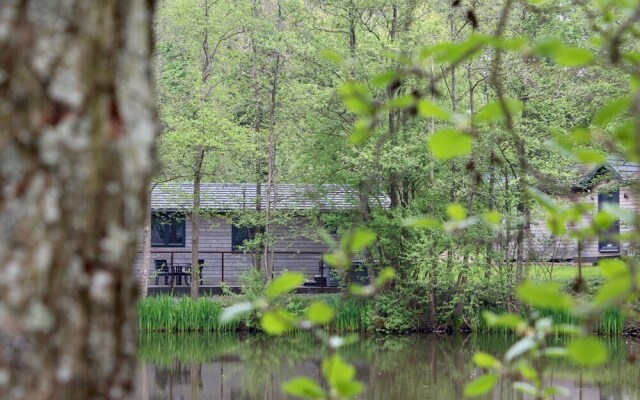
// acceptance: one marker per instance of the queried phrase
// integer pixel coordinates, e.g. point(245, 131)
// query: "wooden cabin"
point(615, 183)
point(227, 230)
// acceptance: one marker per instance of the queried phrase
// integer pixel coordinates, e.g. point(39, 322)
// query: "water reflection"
point(234, 367)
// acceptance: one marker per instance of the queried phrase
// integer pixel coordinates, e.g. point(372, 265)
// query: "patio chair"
point(188, 277)
point(162, 269)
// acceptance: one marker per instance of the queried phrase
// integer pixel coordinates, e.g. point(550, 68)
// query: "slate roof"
point(238, 196)
point(621, 170)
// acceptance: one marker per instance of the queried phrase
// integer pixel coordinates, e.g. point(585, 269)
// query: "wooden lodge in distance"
point(227, 229)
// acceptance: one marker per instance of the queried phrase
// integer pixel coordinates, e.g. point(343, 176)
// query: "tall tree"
point(77, 144)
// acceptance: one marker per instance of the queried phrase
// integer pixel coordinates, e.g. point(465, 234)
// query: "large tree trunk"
point(78, 134)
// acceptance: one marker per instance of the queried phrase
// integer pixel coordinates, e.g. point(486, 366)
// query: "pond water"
point(235, 367)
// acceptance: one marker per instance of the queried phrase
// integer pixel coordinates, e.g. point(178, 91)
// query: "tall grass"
point(610, 322)
point(350, 315)
point(167, 314)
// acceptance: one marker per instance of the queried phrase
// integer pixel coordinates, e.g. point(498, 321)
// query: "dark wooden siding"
point(215, 235)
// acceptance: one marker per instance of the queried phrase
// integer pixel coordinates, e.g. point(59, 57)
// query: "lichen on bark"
point(77, 138)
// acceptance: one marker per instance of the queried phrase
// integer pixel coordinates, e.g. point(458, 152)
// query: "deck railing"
point(171, 254)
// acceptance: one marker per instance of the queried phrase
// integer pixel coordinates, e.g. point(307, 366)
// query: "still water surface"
point(234, 367)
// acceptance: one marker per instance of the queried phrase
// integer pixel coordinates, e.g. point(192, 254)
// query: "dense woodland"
point(263, 92)
point(462, 112)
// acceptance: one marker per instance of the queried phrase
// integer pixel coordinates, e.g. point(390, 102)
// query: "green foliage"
point(587, 351)
point(481, 386)
point(544, 295)
point(490, 96)
point(285, 283)
point(320, 313)
point(305, 388)
point(341, 377)
point(450, 143)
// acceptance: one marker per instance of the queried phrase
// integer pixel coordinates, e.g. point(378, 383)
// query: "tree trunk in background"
point(195, 223)
point(271, 173)
point(77, 150)
point(146, 249)
point(257, 256)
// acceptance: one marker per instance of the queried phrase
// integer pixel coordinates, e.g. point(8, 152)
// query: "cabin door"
point(608, 241)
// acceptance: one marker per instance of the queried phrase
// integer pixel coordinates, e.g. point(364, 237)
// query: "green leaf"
point(485, 360)
point(284, 283)
point(527, 371)
point(337, 259)
point(349, 389)
point(430, 109)
point(332, 57)
point(456, 212)
point(547, 46)
point(544, 295)
point(234, 312)
point(447, 52)
point(613, 268)
point(508, 44)
point(356, 98)
point(603, 220)
point(401, 102)
point(304, 387)
point(563, 55)
point(586, 156)
point(572, 56)
point(359, 239)
point(524, 388)
point(385, 276)
point(319, 313)
point(336, 371)
point(520, 347)
point(361, 132)
point(613, 291)
point(587, 351)
point(581, 136)
point(494, 112)
point(555, 352)
point(623, 214)
point(493, 217)
point(481, 385)
point(566, 329)
point(422, 222)
point(449, 143)
point(276, 322)
point(384, 79)
point(611, 110)
point(358, 105)
point(556, 390)
point(507, 320)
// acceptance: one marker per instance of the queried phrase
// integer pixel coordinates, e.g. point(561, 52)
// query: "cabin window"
point(608, 240)
point(168, 229)
point(241, 234)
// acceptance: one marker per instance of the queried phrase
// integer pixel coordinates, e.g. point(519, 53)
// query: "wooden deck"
point(180, 291)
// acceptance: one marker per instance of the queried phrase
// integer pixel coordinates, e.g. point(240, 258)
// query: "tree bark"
point(271, 173)
point(146, 248)
point(195, 223)
point(77, 150)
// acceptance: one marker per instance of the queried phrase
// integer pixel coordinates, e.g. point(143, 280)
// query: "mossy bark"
point(77, 137)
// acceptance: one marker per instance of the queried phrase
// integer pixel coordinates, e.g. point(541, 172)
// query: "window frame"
point(604, 238)
point(177, 218)
point(251, 230)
